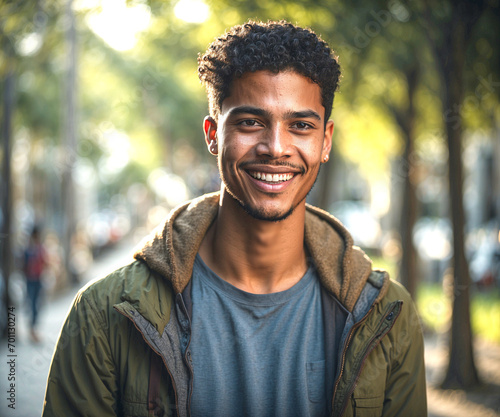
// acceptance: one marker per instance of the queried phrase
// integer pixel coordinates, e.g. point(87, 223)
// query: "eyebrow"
point(256, 111)
point(305, 114)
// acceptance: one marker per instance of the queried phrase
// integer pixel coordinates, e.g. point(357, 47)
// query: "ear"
point(210, 130)
point(327, 141)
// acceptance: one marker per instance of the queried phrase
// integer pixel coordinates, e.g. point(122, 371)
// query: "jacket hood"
point(343, 268)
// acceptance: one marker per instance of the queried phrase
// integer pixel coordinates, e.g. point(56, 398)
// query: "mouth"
point(272, 178)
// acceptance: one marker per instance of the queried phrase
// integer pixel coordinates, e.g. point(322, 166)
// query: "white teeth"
point(271, 177)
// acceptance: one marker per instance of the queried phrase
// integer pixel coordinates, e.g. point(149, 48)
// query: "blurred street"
point(33, 360)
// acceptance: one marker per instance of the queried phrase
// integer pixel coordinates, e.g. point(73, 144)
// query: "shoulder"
point(114, 286)
point(407, 326)
point(396, 291)
point(134, 284)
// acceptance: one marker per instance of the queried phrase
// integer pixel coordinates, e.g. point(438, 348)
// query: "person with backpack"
point(35, 259)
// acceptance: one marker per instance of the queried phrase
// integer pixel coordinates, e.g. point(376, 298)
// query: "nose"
point(274, 142)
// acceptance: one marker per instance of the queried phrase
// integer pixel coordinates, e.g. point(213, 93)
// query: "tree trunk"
point(408, 267)
point(461, 372)
point(5, 189)
point(69, 145)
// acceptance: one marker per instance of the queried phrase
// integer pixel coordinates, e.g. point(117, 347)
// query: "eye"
point(302, 126)
point(248, 123)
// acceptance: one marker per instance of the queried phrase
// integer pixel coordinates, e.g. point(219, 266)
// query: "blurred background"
point(101, 135)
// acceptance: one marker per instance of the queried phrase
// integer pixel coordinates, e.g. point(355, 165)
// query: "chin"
point(266, 215)
point(272, 214)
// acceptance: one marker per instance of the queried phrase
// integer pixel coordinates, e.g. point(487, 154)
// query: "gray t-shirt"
point(257, 354)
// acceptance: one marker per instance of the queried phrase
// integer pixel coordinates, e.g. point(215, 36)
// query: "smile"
point(272, 178)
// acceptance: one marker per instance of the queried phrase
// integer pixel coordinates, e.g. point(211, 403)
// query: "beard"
point(260, 214)
point(265, 215)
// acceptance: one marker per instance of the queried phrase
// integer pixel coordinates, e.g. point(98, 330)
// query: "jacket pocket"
point(368, 407)
point(315, 381)
point(134, 409)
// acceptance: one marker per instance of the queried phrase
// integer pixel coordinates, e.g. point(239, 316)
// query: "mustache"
point(273, 163)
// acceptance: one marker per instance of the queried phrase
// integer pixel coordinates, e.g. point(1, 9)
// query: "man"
point(248, 301)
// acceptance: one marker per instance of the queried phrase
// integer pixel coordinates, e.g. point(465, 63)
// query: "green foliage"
point(151, 93)
point(434, 306)
point(154, 88)
point(380, 262)
point(435, 310)
point(485, 313)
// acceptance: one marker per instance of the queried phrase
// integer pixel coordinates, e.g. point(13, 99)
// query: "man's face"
point(271, 139)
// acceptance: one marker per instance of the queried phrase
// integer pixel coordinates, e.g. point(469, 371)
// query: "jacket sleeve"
point(82, 377)
point(405, 386)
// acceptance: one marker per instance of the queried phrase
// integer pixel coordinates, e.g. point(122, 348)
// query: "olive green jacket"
point(107, 360)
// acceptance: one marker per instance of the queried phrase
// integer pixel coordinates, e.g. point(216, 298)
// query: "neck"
point(254, 255)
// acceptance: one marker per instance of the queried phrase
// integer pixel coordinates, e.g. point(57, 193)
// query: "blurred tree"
point(36, 56)
point(5, 176)
point(69, 143)
point(154, 100)
point(388, 42)
point(406, 117)
point(448, 26)
point(10, 31)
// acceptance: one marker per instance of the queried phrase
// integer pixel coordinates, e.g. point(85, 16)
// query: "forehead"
point(276, 92)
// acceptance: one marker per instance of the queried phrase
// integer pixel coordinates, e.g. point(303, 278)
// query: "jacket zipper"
point(187, 357)
point(154, 352)
point(371, 345)
point(378, 337)
point(192, 377)
point(344, 351)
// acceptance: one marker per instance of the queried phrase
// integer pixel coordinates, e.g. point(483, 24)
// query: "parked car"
point(484, 264)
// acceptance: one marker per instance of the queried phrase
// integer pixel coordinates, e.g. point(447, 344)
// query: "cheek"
point(315, 167)
point(312, 156)
point(232, 152)
point(226, 156)
point(227, 161)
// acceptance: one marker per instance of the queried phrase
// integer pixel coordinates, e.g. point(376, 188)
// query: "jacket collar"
point(172, 247)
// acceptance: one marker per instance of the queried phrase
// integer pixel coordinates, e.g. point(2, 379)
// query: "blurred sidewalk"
point(483, 401)
point(33, 360)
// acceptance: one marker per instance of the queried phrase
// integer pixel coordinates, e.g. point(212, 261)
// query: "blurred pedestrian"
point(34, 261)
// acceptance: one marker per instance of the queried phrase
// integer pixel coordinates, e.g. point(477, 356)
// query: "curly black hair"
point(272, 46)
